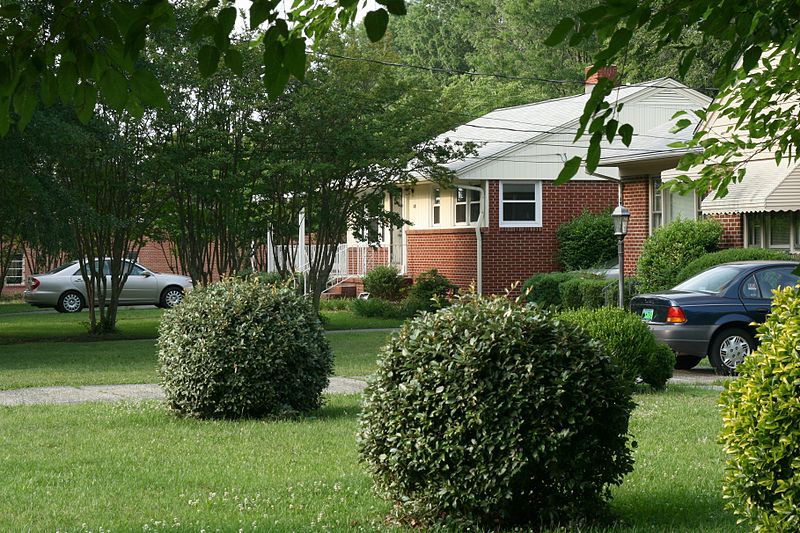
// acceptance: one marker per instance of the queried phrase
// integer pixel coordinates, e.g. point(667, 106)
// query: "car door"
point(140, 287)
point(756, 289)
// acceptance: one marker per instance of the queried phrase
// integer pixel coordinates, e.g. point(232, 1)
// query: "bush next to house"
point(493, 414)
point(584, 292)
point(586, 241)
point(430, 291)
point(631, 289)
point(243, 348)
point(380, 308)
point(384, 282)
point(545, 289)
point(761, 423)
point(629, 341)
point(726, 256)
point(672, 247)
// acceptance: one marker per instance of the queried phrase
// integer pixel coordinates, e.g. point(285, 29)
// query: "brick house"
point(496, 225)
point(762, 211)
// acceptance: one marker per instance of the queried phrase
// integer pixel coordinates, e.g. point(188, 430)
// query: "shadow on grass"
point(673, 511)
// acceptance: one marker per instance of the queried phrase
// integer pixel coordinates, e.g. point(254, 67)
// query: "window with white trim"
point(774, 230)
point(755, 226)
point(779, 230)
point(521, 203)
point(14, 274)
point(437, 207)
point(467, 202)
point(656, 204)
point(668, 205)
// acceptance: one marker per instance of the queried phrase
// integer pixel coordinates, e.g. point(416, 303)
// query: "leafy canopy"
point(757, 77)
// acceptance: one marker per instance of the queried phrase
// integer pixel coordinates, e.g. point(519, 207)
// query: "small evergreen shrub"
point(430, 291)
point(243, 348)
point(628, 340)
point(671, 247)
point(631, 289)
point(544, 289)
point(583, 292)
point(707, 261)
point(384, 282)
point(336, 304)
point(379, 308)
point(761, 423)
point(493, 414)
point(586, 241)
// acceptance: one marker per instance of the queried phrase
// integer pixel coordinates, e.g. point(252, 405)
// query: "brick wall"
point(452, 251)
point(158, 257)
point(513, 255)
point(732, 236)
point(636, 197)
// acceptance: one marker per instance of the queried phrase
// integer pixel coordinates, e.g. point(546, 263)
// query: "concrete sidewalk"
point(111, 393)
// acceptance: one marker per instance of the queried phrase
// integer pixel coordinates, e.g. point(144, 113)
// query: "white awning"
point(765, 187)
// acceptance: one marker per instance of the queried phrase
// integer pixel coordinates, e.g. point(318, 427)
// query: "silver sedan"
point(64, 288)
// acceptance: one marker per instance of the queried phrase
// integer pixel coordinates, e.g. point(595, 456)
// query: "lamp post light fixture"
point(620, 216)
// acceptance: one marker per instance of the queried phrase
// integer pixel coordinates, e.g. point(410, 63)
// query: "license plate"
point(647, 314)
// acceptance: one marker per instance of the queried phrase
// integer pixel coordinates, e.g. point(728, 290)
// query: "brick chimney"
point(609, 72)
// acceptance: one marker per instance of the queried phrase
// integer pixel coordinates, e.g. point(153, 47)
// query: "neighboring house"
point(496, 225)
point(763, 210)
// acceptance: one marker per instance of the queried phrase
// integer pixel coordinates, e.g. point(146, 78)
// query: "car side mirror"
point(147, 274)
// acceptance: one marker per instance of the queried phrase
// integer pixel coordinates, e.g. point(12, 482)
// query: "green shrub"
point(726, 256)
point(583, 292)
point(491, 414)
point(243, 348)
point(631, 289)
point(336, 304)
point(629, 341)
point(384, 282)
point(587, 241)
point(379, 308)
point(761, 423)
point(544, 289)
point(430, 291)
point(671, 247)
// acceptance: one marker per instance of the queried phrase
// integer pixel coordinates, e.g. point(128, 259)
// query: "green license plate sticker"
point(647, 314)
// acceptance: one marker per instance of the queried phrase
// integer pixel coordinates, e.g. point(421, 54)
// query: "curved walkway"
point(110, 393)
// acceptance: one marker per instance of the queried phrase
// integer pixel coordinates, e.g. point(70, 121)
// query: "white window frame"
point(467, 203)
point(537, 222)
point(19, 258)
point(768, 241)
point(436, 205)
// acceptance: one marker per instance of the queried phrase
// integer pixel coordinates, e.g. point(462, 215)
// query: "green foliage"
point(726, 256)
point(671, 247)
point(336, 304)
point(243, 348)
point(587, 241)
point(430, 291)
point(761, 423)
point(584, 292)
point(629, 341)
point(544, 289)
point(380, 308)
point(631, 289)
point(384, 282)
point(492, 414)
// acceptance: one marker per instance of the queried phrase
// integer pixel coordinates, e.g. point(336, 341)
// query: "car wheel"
point(729, 349)
point(686, 362)
point(170, 297)
point(70, 302)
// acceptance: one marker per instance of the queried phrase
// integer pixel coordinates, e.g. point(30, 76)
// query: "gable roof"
point(507, 129)
point(654, 143)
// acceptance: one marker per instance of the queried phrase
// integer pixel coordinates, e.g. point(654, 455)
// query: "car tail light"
point(34, 283)
point(675, 315)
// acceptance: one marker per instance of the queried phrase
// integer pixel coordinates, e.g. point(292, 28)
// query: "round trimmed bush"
point(586, 241)
point(491, 414)
point(243, 348)
point(629, 341)
point(726, 256)
point(431, 290)
point(761, 423)
point(671, 247)
point(545, 289)
point(383, 282)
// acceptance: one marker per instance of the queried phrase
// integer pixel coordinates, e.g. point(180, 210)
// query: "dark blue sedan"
point(711, 313)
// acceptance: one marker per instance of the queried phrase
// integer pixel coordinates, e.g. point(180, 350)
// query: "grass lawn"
point(126, 467)
point(15, 306)
point(133, 324)
point(42, 364)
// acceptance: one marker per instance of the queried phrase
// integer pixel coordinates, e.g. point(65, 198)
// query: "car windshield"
point(712, 281)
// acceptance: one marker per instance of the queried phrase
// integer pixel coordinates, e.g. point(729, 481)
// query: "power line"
point(536, 79)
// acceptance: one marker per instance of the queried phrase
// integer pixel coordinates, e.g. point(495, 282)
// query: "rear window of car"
point(711, 281)
point(60, 268)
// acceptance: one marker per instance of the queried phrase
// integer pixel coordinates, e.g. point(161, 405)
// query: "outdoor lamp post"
point(620, 217)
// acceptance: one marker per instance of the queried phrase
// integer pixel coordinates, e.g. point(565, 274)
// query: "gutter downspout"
point(478, 235)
